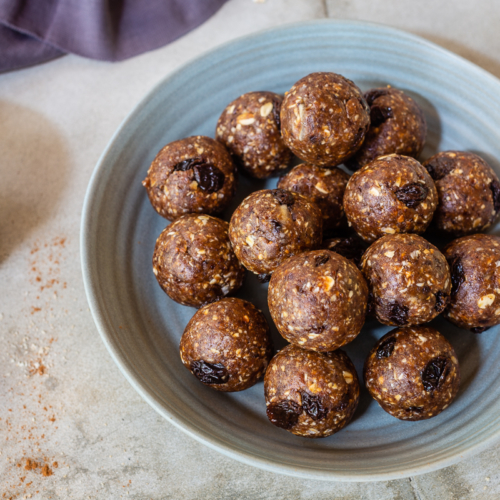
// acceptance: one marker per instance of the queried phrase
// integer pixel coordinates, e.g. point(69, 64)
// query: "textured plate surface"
point(141, 326)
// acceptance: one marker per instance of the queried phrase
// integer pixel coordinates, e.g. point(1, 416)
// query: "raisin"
point(386, 347)
point(457, 276)
point(208, 177)
point(435, 373)
point(276, 225)
point(284, 197)
point(351, 248)
point(209, 373)
point(263, 278)
point(373, 94)
point(380, 114)
point(441, 168)
point(412, 194)
point(319, 260)
point(398, 314)
point(188, 164)
point(276, 112)
point(495, 191)
point(313, 406)
point(441, 301)
point(284, 414)
point(479, 329)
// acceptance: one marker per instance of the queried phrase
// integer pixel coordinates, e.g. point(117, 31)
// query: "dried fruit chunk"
point(319, 260)
point(208, 177)
point(185, 165)
point(457, 276)
point(379, 114)
point(284, 414)
point(495, 190)
point(435, 373)
point(442, 300)
point(284, 197)
point(385, 348)
point(412, 194)
point(313, 406)
point(398, 313)
point(209, 373)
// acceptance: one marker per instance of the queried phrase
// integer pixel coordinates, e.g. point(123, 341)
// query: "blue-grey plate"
point(141, 326)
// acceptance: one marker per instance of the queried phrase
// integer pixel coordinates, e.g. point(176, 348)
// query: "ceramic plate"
point(141, 326)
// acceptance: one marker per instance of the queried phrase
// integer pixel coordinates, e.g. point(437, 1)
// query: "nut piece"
point(194, 263)
point(193, 175)
point(324, 119)
point(323, 186)
point(311, 394)
point(393, 194)
point(412, 373)
point(271, 225)
point(408, 278)
point(468, 191)
point(475, 274)
point(250, 129)
point(397, 127)
point(226, 345)
point(318, 300)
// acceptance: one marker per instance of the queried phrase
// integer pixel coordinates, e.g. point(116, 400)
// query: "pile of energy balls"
point(310, 239)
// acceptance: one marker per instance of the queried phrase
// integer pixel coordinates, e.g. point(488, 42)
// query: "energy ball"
point(226, 345)
point(271, 225)
point(475, 275)
point(249, 128)
point(397, 125)
point(412, 373)
point(468, 190)
point(324, 186)
point(392, 194)
point(311, 394)
point(194, 263)
point(193, 175)
point(318, 300)
point(408, 278)
point(324, 119)
point(350, 247)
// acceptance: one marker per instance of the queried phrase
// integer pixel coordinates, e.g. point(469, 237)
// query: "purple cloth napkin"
point(34, 31)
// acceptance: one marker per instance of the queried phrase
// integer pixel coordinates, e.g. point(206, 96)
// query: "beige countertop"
point(64, 405)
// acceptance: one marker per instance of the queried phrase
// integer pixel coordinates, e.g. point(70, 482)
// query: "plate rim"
point(218, 444)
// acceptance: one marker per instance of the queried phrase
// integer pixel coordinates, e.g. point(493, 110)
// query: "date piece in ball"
point(226, 345)
point(193, 175)
point(194, 263)
point(324, 119)
point(249, 128)
point(412, 373)
point(393, 194)
point(409, 280)
point(475, 275)
point(318, 300)
point(309, 393)
point(350, 247)
point(271, 225)
point(397, 126)
point(468, 190)
point(324, 186)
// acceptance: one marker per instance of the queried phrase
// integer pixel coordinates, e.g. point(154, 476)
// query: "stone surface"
point(62, 399)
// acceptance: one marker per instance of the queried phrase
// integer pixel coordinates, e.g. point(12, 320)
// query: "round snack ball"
point(412, 373)
point(350, 247)
point(324, 119)
point(475, 276)
point(249, 127)
point(271, 225)
point(392, 194)
point(468, 190)
point(193, 175)
point(318, 300)
point(408, 278)
point(397, 125)
point(194, 263)
point(226, 345)
point(311, 394)
point(324, 186)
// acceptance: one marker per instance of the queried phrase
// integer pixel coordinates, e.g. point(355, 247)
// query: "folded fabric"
point(33, 31)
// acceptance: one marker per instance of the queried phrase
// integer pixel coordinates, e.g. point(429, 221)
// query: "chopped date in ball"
point(208, 177)
point(457, 276)
point(284, 197)
point(313, 406)
point(412, 194)
point(435, 373)
point(209, 373)
point(442, 300)
point(386, 347)
point(284, 414)
point(495, 189)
